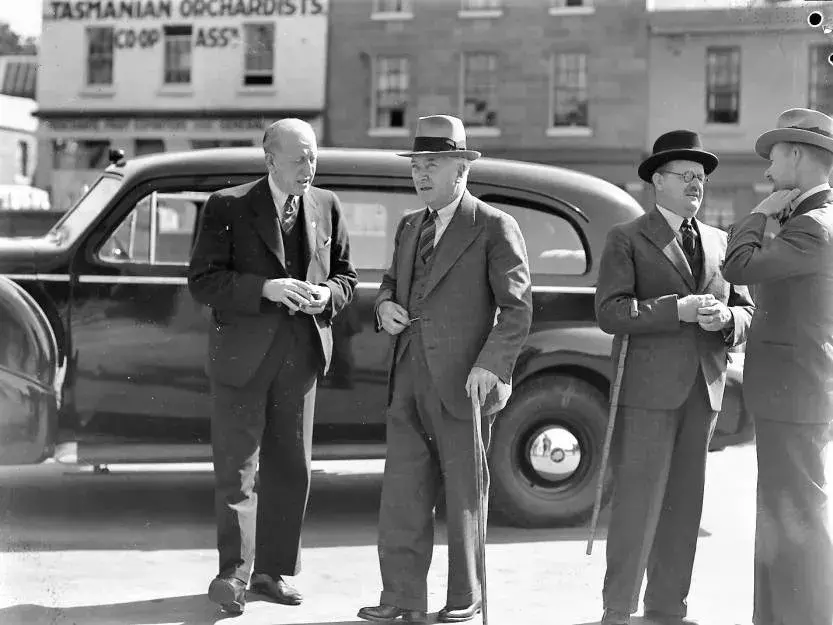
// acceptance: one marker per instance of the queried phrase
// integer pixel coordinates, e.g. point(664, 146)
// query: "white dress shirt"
point(279, 197)
point(444, 216)
point(822, 187)
point(674, 220)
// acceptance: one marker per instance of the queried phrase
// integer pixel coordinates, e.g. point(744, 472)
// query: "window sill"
point(176, 91)
point(561, 11)
point(476, 14)
point(391, 16)
point(569, 131)
point(93, 92)
point(483, 131)
point(257, 91)
point(388, 132)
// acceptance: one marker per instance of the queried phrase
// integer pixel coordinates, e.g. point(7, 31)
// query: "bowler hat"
point(677, 145)
point(798, 126)
point(441, 134)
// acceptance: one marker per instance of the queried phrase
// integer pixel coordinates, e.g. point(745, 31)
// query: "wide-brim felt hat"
point(798, 126)
point(677, 145)
point(443, 135)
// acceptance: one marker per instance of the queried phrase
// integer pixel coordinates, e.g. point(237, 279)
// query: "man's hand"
point(292, 293)
point(319, 297)
point(688, 306)
point(714, 317)
point(393, 317)
point(480, 383)
point(777, 203)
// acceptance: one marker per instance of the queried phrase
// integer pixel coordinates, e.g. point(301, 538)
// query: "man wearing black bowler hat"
point(688, 316)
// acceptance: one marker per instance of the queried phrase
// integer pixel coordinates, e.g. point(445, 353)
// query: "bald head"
point(291, 152)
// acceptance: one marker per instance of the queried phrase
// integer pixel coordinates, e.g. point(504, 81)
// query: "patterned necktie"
point(689, 239)
point(289, 214)
point(426, 236)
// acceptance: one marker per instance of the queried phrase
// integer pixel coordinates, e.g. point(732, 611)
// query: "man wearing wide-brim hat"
point(456, 263)
point(788, 372)
point(660, 284)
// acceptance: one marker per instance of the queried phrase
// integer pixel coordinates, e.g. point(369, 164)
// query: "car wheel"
point(545, 454)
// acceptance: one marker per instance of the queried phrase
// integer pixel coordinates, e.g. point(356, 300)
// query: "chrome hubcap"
point(555, 453)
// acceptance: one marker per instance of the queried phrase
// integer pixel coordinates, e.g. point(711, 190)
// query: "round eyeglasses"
point(687, 176)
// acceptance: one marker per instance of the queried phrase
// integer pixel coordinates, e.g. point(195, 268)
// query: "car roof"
point(564, 184)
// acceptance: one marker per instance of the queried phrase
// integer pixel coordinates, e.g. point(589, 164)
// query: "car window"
point(158, 231)
point(552, 242)
point(372, 215)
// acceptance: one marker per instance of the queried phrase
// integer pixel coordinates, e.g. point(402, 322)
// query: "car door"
point(139, 339)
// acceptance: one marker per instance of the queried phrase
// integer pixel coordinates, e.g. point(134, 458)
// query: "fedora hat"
point(441, 134)
point(798, 126)
point(677, 145)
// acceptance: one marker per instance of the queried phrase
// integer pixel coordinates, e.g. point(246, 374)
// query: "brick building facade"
point(555, 81)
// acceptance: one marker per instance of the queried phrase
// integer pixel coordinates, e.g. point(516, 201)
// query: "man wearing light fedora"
point(660, 284)
point(788, 373)
point(456, 264)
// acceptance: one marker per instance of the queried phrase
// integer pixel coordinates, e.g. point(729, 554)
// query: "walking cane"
point(482, 502)
point(611, 421)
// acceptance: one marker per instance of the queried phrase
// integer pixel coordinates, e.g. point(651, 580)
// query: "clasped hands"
point(394, 319)
point(705, 310)
point(297, 295)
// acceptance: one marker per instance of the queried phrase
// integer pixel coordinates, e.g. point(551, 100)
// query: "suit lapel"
point(266, 218)
point(658, 232)
point(460, 233)
point(407, 256)
point(814, 201)
point(311, 212)
point(710, 241)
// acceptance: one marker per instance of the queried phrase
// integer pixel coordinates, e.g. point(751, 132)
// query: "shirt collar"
point(446, 212)
point(278, 196)
point(674, 220)
point(822, 187)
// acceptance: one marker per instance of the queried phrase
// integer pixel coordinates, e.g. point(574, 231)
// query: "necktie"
point(426, 236)
point(689, 240)
point(289, 214)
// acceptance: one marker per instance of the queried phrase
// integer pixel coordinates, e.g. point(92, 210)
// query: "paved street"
point(138, 548)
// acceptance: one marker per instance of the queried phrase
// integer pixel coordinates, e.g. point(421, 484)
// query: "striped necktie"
point(426, 235)
point(689, 239)
point(289, 214)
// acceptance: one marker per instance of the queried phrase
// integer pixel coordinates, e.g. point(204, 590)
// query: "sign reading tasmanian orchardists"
point(168, 9)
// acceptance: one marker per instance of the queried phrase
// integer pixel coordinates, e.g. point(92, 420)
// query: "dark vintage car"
point(116, 346)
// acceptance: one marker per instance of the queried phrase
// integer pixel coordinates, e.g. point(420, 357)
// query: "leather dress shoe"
point(276, 589)
point(612, 617)
point(229, 592)
point(660, 618)
point(451, 614)
point(386, 613)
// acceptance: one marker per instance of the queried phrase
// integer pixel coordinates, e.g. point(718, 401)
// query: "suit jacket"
point(643, 260)
point(479, 267)
point(238, 248)
point(788, 373)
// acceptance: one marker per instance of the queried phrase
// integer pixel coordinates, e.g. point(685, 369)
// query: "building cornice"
point(47, 114)
point(763, 20)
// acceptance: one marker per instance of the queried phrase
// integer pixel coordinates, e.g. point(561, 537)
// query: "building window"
point(142, 147)
point(99, 55)
point(260, 54)
point(479, 86)
point(68, 154)
point(482, 5)
point(392, 6)
point(390, 92)
point(23, 158)
point(177, 55)
point(569, 90)
point(821, 79)
point(723, 85)
point(19, 79)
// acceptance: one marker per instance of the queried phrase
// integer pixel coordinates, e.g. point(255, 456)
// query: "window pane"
point(148, 146)
point(100, 56)
point(259, 61)
point(372, 216)
point(392, 81)
point(553, 245)
point(570, 90)
point(480, 89)
point(723, 85)
point(177, 54)
point(392, 6)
